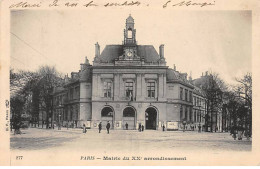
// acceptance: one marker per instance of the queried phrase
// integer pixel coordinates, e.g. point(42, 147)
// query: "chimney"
point(174, 67)
point(86, 60)
point(184, 75)
point(190, 77)
point(206, 74)
point(161, 50)
point(66, 79)
point(73, 75)
point(97, 49)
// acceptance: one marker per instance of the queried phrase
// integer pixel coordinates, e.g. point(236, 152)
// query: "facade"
point(129, 84)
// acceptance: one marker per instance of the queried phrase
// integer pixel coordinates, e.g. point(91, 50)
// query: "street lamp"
point(59, 122)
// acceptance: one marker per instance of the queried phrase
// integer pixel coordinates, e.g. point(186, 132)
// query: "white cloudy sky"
point(195, 41)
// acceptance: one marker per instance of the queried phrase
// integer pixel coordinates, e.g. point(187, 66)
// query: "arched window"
point(107, 112)
point(129, 33)
point(129, 112)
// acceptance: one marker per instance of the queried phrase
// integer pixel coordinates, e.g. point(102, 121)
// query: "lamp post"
point(59, 122)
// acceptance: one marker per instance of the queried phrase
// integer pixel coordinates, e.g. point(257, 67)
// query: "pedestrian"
point(199, 128)
point(108, 127)
point(233, 132)
point(142, 127)
point(84, 128)
point(240, 131)
point(163, 127)
point(139, 127)
point(126, 126)
point(99, 127)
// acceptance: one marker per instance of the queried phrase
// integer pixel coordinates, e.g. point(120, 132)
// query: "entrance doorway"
point(129, 118)
point(107, 114)
point(150, 118)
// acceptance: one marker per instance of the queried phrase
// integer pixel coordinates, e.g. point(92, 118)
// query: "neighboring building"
point(129, 83)
point(214, 119)
point(199, 107)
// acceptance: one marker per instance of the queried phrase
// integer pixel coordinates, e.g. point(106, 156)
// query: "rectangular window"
point(198, 116)
point(107, 89)
point(129, 89)
point(195, 112)
point(181, 93)
point(151, 89)
point(77, 92)
point(190, 98)
point(181, 109)
point(71, 93)
point(186, 113)
point(190, 113)
point(186, 95)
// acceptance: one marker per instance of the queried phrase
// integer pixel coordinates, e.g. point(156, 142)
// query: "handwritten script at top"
point(83, 3)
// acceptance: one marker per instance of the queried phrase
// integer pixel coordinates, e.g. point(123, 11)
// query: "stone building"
point(129, 83)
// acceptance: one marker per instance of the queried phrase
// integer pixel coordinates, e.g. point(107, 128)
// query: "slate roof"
point(172, 75)
point(112, 52)
point(200, 81)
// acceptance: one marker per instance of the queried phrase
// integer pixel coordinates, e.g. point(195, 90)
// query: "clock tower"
point(130, 46)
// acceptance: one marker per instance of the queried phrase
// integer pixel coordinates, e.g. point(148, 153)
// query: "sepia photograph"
point(128, 87)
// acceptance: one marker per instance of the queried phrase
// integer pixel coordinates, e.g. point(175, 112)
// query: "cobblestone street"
point(125, 141)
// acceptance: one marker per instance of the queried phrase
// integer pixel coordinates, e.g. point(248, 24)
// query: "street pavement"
point(125, 141)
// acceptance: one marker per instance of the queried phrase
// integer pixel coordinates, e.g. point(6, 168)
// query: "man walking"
point(126, 126)
point(108, 127)
point(199, 128)
point(84, 128)
point(139, 127)
point(99, 127)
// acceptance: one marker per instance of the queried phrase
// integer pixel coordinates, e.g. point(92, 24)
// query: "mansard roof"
point(112, 52)
point(175, 76)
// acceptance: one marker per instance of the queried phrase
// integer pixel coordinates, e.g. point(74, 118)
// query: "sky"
point(195, 41)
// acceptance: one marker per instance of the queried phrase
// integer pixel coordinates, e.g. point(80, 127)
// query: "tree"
point(50, 78)
point(243, 91)
point(213, 88)
point(238, 101)
point(20, 96)
point(29, 90)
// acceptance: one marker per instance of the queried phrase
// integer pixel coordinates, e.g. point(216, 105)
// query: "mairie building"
point(129, 83)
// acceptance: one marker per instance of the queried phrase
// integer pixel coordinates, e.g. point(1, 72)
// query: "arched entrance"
point(107, 114)
point(129, 117)
point(150, 118)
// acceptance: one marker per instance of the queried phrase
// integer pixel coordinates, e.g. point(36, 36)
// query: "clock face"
point(129, 53)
